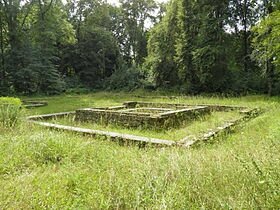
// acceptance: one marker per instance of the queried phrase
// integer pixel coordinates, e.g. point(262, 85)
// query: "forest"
point(188, 46)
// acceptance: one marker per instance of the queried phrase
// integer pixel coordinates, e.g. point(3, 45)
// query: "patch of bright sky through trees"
point(116, 2)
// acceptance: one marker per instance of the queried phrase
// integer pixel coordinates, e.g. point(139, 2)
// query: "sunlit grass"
point(49, 169)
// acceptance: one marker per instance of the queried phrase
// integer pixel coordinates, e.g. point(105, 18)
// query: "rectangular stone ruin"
point(141, 114)
point(153, 114)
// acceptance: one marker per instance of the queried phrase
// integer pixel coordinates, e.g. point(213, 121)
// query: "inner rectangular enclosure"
point(141, 114)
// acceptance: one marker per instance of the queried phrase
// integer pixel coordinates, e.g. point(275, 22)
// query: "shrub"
point(9, 111)
point(125, 78)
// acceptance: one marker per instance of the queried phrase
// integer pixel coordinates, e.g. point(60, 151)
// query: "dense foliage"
point(267, 48)
point(49, 46)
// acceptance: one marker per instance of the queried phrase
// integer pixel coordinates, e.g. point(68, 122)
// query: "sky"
point(116, 2)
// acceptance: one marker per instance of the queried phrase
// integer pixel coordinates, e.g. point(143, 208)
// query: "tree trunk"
point(270, 76)
point(269, 65)
point(245, 36)
point(3, 73)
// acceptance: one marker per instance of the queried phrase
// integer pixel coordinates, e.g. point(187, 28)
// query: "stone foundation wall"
point(33, 104)
point(166, 119)
point(107, 117)
point(213, 107)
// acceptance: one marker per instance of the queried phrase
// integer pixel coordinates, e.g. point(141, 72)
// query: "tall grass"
point(47, 169)
point(9, 111)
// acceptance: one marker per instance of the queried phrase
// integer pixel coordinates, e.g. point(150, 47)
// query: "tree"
point(188, 46)
point(161, 51)
point(3, 45)
point(209, 55)
point(10, 38)
point(136, 14)
point(245, 14)
point(267, 46)
point(96, 56)
point(79, 10)
point(35, 32)
point(188, 27)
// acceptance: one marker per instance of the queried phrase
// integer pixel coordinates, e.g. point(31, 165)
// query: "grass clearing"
point(43, 169)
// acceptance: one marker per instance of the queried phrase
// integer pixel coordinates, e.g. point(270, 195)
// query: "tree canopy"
point(49, 46)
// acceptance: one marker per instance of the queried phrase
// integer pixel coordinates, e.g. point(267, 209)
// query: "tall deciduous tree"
point(209, 55)
point(137, 13)
point(161, 49)
point(245, 14)
point(96, 56)
point(188, 24)
point(267, 46)
point(3, 45)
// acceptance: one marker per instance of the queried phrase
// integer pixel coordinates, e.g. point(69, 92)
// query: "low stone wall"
point(135, 104)
point(33, 104)
point(164, 120)
point(49, 116)
point(225, 128)
point(143, 141)
point(124, 138)
point(213, 107)
point(109, 117)
point(126, 116)
point(146, 118)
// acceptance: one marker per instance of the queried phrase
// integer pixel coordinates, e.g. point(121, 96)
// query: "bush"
point(125, 78)
point(9, 111)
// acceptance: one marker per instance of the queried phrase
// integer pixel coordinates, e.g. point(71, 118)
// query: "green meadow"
point(49, 169)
